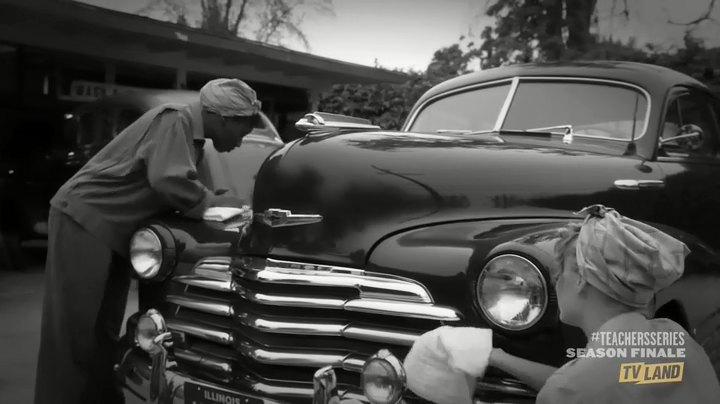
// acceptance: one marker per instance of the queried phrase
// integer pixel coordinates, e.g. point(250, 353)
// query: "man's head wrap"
point(627, 260)
point(229, 97)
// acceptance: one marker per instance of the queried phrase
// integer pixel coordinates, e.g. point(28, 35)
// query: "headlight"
point(512, 292)
point(150, 325)
point(146, 253)
point(383, 378)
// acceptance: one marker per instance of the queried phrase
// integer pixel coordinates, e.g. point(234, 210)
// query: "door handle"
point(639, 184)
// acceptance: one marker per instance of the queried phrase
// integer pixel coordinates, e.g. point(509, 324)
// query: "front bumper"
point(140, 382)
point(136, 371)
point(326, 392)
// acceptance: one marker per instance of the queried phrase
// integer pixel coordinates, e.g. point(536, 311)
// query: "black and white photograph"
point(359, 202)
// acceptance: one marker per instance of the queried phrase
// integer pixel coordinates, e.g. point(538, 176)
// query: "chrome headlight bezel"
point(161, 246)
point(539, 277)
point(395, 374)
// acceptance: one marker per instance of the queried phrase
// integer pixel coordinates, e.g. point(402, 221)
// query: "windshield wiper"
point(548, 130)
point(492, 132)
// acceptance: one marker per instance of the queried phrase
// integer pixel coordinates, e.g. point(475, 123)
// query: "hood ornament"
point(282, 218)
point(325, 122)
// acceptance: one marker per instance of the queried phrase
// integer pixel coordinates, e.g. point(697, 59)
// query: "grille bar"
point(294, 326)
point(274, 271)
point(270, 356)
point(215, 274)
point(210, 333)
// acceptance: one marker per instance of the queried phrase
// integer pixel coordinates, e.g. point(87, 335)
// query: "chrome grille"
point(256, 315)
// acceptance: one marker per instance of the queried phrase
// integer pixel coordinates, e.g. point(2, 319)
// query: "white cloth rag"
point(442, 364)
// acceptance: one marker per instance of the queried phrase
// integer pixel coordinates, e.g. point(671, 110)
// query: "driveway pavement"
point(21, 295)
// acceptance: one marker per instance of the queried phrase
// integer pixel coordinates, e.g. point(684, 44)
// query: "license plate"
point(197, 394)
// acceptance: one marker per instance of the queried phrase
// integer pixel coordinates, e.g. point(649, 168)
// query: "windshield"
point(599, 110)
point(592, 108)
point(473, 110)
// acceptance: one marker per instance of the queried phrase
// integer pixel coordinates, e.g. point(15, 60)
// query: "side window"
point(687, 113)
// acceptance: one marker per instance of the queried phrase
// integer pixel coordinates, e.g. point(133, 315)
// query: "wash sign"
point(90, 91)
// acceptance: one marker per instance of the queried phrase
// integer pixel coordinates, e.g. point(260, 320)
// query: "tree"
point(388, 105)
point(547, 30)
point(268, 21)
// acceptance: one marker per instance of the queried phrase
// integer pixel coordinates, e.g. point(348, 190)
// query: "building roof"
point(80, 28)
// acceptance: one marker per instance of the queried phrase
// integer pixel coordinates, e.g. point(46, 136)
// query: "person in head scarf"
point(610, 268)
point(230, 109)
point(148, 169)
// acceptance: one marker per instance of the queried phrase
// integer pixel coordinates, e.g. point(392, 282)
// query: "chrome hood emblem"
point(283, 218)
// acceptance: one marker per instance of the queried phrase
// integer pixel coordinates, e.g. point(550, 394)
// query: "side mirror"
point(689, 137)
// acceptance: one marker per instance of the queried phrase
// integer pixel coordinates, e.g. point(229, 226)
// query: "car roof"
point(649, 77)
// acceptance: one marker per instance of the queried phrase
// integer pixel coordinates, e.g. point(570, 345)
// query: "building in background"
point(57, 54)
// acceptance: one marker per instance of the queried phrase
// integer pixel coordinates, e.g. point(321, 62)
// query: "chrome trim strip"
point(380, 335)
point(210, 273)
point(328, 329)
point(411, 120)
point(506, 105)
point(217, 268)
point(204, 361)
point(379, 293)
point(402, 309)
point(210, 333)
point(205, 283)
point(297, 326)
point(304, 392)
point(290, 301)
point(204, 304)
point(372, 306)
point(301, 358)
point(296, 273)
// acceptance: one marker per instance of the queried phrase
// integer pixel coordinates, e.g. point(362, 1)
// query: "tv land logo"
point(651, 373)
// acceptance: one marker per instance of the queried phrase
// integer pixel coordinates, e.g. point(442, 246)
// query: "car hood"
point(369, 185)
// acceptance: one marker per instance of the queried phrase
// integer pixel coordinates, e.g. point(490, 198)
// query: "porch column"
point(181, 79)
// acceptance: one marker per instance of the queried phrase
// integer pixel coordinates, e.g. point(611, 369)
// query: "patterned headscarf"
point(229, 97)
point(625, 259)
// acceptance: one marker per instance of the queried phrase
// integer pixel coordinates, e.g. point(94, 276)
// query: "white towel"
point(443, 364)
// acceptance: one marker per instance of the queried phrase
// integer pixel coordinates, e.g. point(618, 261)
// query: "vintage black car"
point(363, 239)
point(28, 181)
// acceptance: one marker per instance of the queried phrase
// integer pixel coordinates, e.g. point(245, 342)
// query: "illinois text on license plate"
point(197, 394)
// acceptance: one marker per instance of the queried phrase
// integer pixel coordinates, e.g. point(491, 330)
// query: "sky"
point(404, 34)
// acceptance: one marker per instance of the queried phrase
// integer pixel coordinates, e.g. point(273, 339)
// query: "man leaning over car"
point(149, 168)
